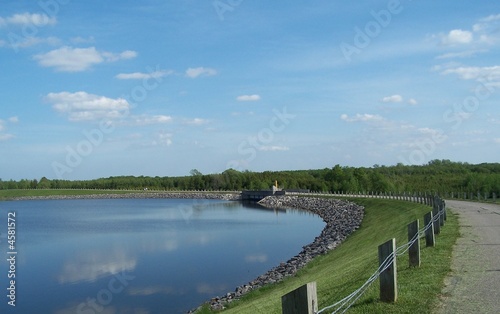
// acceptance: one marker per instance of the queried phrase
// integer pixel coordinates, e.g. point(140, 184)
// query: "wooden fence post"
point(444, 210)
point(388, 278)
point(435, 212)
point(441, 211)
point(302, 300)
point(414, 249)
point(429, 233)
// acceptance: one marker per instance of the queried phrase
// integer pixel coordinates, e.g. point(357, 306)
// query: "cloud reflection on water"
point(256, 258)
point(92, 265)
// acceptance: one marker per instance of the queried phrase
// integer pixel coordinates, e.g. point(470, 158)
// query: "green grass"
point(346, 268)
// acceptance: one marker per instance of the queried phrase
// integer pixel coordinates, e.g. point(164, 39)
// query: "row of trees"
point(442, 176)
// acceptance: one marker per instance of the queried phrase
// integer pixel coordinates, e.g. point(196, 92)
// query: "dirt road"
point(474, 284)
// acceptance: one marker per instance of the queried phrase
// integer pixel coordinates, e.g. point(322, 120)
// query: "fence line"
point(344, 304)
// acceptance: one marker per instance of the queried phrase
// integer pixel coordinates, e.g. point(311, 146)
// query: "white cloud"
point(155, 119)
point(164, 139)
point(68, 59)
point(429, 131)
point(6, 137)
point(485, 23)
point(248, 98)
point(362, 117)
point(273, 148)
point(471, 73)
point(26, 19)
point(412, 101)
point(196, 121)
point(81, 106)
point(112, 57)
point(32, 41)
point(497, 140)
point(457, 37)
point(201, 71)
point(462, 54)
point(142, 76)
point(393, 99)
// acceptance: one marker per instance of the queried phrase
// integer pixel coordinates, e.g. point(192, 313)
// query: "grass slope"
point(9, 194)
point(346, 268)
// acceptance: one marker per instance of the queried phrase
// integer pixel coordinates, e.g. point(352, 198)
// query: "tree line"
point(437, 176)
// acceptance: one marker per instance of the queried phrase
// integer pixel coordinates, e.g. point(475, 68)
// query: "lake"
point(141, 255)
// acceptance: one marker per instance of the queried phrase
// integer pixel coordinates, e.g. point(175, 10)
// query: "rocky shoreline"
point(341, 218)
point(179, 195)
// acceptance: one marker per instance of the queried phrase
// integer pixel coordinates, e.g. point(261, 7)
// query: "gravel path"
point(474, 284)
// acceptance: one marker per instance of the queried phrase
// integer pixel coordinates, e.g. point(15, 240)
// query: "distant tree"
point(43, 184)
point(195, 172)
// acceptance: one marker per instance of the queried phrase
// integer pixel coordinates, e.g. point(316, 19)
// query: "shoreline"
point(341, 217)
point(151, 195)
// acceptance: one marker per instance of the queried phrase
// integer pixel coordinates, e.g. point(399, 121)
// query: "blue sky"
point(95, 89)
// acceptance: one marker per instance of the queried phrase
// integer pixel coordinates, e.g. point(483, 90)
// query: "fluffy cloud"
point(163, 139)
point(273, 148)
point(3, 127)
point(6, 137)
point(201, 71)
point(412, 102)
point(25, 19)
point(393, 98)
point(68, 59)
point(362, 117)
point(142, 76)
point(196, 121)
point(24, 42)
point(471, 73)
point(148, 119)
point(457, 37)
point(487, 24)
point(248, 98)
point(81, 106)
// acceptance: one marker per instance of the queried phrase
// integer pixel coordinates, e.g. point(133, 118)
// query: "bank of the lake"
point(341, 217)
point(343, 270)
point(91, 194)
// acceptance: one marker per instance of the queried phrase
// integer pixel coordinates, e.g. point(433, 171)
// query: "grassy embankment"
point(10, 194)
point(346, 268)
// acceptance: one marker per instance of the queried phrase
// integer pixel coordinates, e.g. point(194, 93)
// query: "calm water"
point(141, 256)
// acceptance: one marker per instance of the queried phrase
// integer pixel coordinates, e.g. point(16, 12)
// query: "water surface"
point(142, 255)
